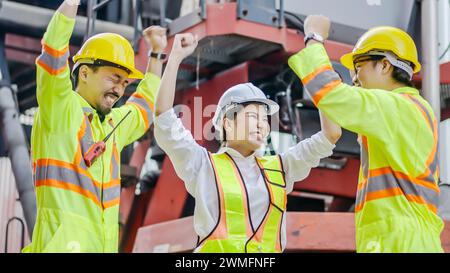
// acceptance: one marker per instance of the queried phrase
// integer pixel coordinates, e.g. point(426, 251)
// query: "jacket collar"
point(88, 109)
point(406, 90)
point(258, 153)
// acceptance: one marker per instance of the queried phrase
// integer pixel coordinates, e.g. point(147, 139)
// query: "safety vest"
point(397, 190)
point(234, 231)
point(77, 206)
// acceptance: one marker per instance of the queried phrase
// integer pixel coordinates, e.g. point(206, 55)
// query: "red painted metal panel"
point(445, 73)
point(333, 182)
point(306, 231)
point(291, 41)
point(25, 49)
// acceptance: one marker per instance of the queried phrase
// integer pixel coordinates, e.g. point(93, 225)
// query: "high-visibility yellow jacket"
point(234, 232)
point(397, 190)
point(77, 206)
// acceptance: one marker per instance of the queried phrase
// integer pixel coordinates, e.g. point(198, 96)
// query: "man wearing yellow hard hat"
point(76, 167)
point(397, 190)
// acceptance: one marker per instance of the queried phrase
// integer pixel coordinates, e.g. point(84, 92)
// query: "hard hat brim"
point(347, 61)
point(135, 74)
point(272, 106)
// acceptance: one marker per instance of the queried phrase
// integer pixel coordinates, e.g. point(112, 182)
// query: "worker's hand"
point(73, 2)
point(318, 24)
point(156, 38)
point(183, 45)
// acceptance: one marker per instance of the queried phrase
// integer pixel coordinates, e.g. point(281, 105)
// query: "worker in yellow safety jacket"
point(397, 190)
point(240, 194)
point(77, 195)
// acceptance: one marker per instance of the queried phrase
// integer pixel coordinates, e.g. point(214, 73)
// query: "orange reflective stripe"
point(319, 70)
point(112, 203)
point(81, 184)
point(114, 169)
point(431, 162)
point(143, 113)
point(68, 186)
point(400, 175)
point(390, 184)
point(49, 161)
point(78, 160)
point(149, 103)
point(145, 107)
point(53, 61)
point(54, 52)
point(259, 232)
point(325, 90)
point(248, 227)
point(261, 228)
point(220, 230)
point(51, 70)
point(378, 195)
point(394, 192)
point(421, 200)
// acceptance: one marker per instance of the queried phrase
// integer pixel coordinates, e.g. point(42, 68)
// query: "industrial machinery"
point(240, 41)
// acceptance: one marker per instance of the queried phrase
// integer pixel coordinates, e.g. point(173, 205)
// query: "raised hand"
point(156, 38)
point(183, 45)
point(318, 24)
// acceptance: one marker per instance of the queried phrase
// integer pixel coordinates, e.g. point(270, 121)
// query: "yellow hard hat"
point(108, 48)
point(384, 38)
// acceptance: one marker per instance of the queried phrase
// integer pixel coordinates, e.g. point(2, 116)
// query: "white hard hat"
point(239, 94)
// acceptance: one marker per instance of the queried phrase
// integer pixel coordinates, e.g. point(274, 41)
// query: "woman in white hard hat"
point(240, 194)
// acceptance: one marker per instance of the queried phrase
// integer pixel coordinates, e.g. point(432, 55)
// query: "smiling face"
point(102, 88)
point(249, 128)
point(373, 72)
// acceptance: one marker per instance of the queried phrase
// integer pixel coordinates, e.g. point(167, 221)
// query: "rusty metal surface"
point(341, 183)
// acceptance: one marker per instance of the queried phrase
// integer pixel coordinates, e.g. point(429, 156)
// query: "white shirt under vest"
point(192, 165)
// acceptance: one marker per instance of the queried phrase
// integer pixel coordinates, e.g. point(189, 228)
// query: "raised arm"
point(369, 112)
point(52, 67)
point(141, 103)
point(186, 155)
point(183, 46)
point(330, 129)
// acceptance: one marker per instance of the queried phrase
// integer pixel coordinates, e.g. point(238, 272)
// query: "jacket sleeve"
point(372, 113)
point(54, 88)
point(141, 105)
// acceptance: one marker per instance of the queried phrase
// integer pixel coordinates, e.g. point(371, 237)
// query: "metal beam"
point(430, 63)
point(37, 19)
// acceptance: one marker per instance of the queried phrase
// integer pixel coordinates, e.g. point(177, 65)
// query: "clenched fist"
point(318, 24)
point(156, 38)
point(183, 45)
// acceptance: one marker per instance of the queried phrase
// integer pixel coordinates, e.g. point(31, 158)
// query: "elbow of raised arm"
point(333, 135)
